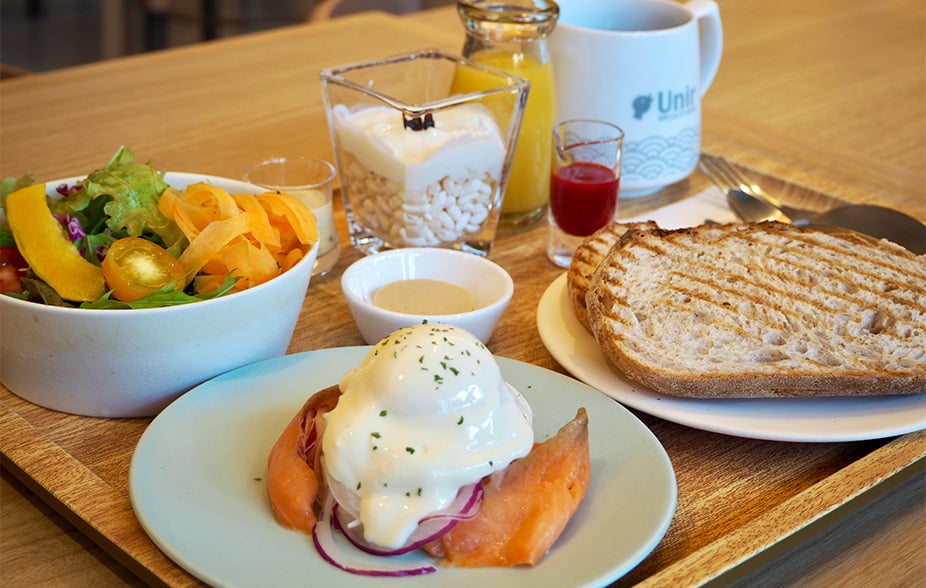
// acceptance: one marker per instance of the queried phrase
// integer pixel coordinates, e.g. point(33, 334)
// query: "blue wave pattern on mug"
point(657, 156)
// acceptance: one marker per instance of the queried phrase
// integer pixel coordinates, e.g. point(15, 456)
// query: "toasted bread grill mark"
point(867, 275)
point(762, 311)
point(607, 293)
point(893, 281)
point(745, 290)
point(589, 255)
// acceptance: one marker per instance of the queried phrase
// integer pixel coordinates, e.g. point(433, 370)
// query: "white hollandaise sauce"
point(426, 413)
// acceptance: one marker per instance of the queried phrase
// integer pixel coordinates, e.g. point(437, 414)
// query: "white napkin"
point(711, 204)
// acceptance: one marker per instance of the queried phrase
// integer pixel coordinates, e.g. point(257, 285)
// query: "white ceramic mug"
point(643, 65)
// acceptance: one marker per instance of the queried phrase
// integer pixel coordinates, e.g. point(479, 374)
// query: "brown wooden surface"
point(824, 99)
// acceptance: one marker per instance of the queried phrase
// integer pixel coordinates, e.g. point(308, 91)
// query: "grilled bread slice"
point(762, 310)
point(588, 256)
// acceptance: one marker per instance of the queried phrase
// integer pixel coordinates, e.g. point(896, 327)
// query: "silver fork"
point(752, 204)
point(728, 177)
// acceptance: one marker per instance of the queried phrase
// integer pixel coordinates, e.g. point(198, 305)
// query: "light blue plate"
point(197, 482)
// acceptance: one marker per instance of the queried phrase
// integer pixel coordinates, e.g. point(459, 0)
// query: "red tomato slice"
point(12, 269)
point(135, 267)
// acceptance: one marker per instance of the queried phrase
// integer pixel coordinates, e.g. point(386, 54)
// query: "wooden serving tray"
point(739, 499)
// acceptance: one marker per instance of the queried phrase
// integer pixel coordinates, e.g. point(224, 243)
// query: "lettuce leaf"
point(10, 185)
point(36, 290)
point(6, 237)
point(130, 192)
point(166, 296)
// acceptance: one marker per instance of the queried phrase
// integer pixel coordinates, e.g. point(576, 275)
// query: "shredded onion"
point(465, 506)
point(323, 538)
point(348, 501)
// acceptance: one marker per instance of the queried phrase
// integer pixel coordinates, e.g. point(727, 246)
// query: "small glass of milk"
point(311, 181)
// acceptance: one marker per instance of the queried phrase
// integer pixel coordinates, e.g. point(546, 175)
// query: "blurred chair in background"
point(11, 71)
point(327, 9)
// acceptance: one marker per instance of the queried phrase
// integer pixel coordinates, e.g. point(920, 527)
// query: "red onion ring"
point(465, 506)
point(323, 538)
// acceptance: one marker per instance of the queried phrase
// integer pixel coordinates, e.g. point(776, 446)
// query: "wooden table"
point(824, 100)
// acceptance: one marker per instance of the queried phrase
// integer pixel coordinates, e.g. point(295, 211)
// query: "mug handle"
point(711, 38)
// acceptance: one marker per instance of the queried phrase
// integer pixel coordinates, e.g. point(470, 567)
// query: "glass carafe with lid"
point(512, 35)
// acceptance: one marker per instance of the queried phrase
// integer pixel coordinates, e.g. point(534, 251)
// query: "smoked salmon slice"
point(526, 506)
point(292, 484)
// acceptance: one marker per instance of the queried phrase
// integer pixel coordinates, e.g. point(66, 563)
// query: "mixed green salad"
point(121, 238)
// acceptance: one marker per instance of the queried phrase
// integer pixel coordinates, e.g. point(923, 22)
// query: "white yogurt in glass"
point(422, 188)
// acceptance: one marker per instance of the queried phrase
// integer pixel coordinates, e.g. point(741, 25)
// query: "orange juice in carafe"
point(511, 36)
point(529, 179)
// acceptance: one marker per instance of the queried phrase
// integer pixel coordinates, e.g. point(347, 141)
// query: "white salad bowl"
point(133, 363)
point(489, 285)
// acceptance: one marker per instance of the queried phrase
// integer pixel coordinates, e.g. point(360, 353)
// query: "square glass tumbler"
point(421, 164)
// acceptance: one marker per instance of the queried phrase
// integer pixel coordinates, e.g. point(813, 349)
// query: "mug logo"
point(668, 104)
point(641, 105)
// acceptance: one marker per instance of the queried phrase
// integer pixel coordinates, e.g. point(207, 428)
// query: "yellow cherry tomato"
point(135, 267)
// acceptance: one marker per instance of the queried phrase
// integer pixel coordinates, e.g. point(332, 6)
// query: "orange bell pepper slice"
point(45, 246)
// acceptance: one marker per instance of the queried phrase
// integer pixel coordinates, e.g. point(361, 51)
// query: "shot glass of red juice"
point(584, 183)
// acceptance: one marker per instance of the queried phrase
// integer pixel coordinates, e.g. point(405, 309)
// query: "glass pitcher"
point(512, 35)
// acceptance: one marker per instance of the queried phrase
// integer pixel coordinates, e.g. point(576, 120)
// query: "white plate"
point(777, 419)
point(197, 482)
